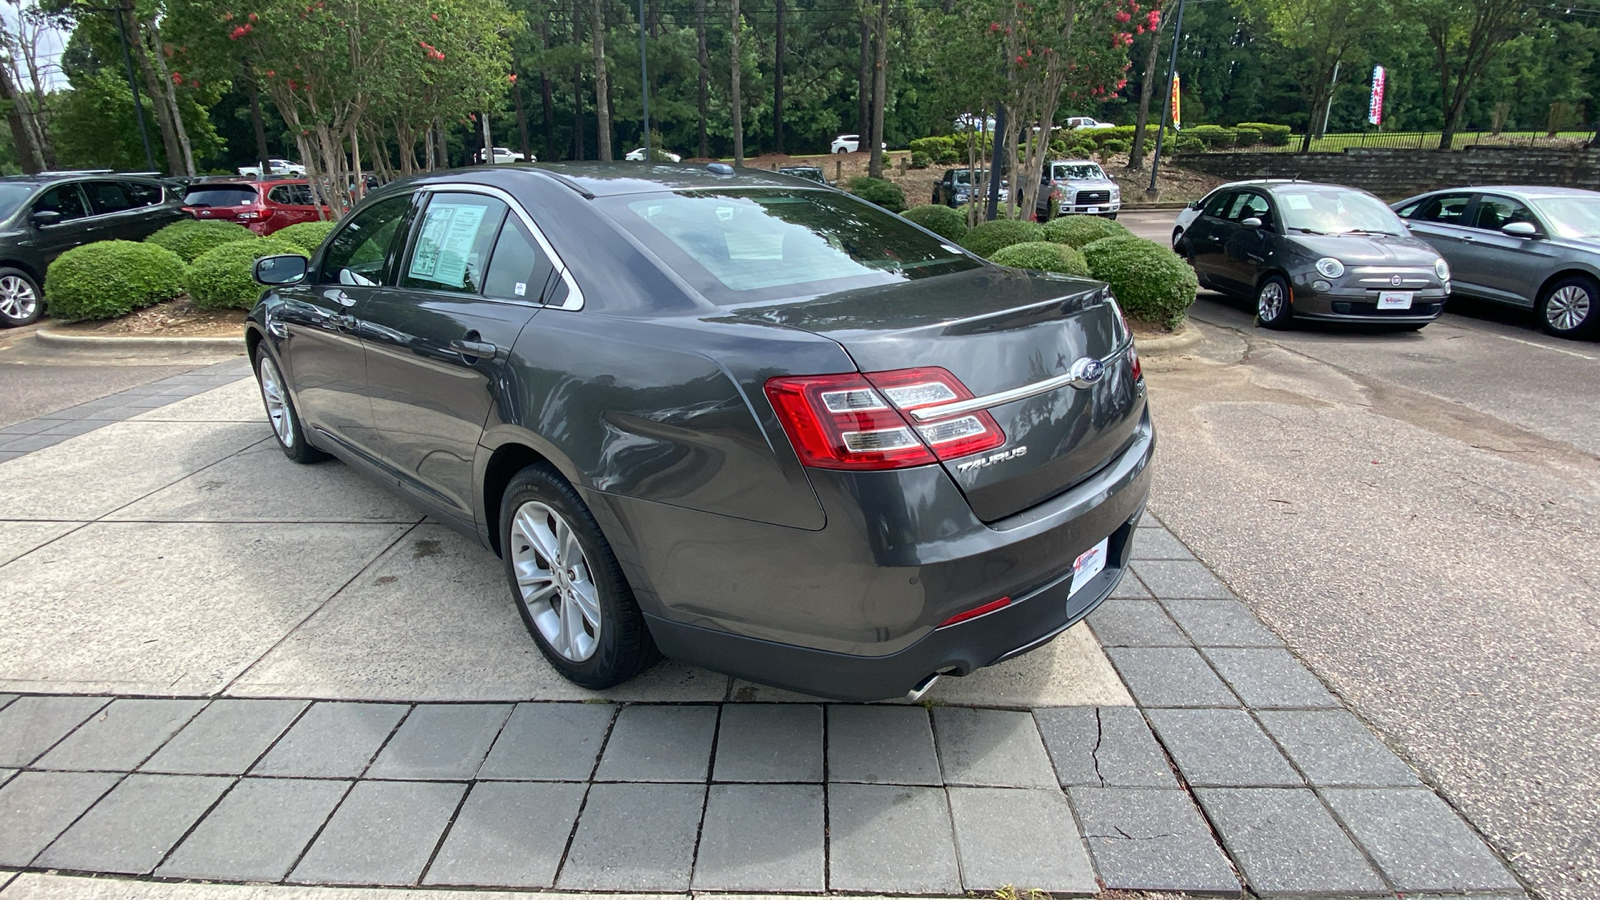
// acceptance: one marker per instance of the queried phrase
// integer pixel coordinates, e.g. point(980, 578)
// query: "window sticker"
point(1297, 201)
point(520, 289)
point(449, 231)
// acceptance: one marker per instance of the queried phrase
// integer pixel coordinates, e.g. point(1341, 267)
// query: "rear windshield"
point(13, 196)
point(774, 245)
point(221, 195)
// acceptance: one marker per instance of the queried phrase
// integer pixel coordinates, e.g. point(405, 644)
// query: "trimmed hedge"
point(193, 237)
point(920, 160)
point(881, 191)
point(941, 220)
point(107, 279)
point(1186, 143)
point(1246, 137)
point(1215, 137)
point(308, 236)
point(1150, 282)
point(224, 277)
point(1077, 231)
point(1272, 135)
point(987, 237)
point(1046, 256)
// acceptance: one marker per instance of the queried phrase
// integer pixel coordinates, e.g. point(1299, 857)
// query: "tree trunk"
point(28, 152)
point(777, 81)
point(736, 94)
point(864, 82)
point(577, 112)
point(171, 98)
point(522, 120)
point(152, 84)
point(880, 91)
point(1147, 85)
point(253, 92)
point(546, 98)
point(700, 29)
point(602, 87)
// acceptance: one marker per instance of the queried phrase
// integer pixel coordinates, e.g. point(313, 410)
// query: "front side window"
point(452, 243)
point(1217, 205)
point(359, 250)
point(1495, 213)
point(763, 245)
point(1446, 209)
point(65, 199)
point(1250, 205)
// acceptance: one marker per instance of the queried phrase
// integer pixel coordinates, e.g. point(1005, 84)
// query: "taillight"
point(977, 611)
point(858, 421)
point(1133, 360)
point(1127, 334)
point(248, 216)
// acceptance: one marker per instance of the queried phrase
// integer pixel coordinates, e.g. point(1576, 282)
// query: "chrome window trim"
point(574, 299)
point(1000, 398)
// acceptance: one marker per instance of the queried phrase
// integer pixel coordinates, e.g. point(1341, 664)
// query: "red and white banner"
point(1176, 119)
point(1375, 104)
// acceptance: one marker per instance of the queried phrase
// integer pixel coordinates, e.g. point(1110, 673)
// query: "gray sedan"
point(1533, 247)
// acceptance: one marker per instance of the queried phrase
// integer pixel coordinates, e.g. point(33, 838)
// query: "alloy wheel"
point(17, 298)
point(1269, 305)
point(554, 581)
point(1568, 308)
point(277, 402)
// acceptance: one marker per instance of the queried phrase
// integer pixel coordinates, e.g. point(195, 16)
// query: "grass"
point(1423, 140)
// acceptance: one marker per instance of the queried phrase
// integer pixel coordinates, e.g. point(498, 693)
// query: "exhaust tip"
point(923, 687)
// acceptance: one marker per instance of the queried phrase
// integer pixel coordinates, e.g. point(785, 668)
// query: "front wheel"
point(1567, 309)
point(19, 298)
point(281, 414)
point(841, 150)
point(1272, 303)
point(568, 585)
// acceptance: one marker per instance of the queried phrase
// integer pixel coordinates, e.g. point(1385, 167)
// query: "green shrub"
point(931, 145)
point(987, 237)
point(1215, 137)
point(1246, 137)
point(107, 279)
point(1272, 135)
point(920, 160)
point(941, 220)
point(947, 156)
point(1109, 149)
point(193, 237)
point(1150, 282)
point(1076, 231)
point(1046, 256)
point(1185, 143)
point(881, 191)
point(224, 277)
point(308, 236)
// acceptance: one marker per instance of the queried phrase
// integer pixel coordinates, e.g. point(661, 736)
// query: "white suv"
point(1084, 123)
point(849, 143)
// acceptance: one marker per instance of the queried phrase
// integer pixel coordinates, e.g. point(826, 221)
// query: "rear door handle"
point(473, 348)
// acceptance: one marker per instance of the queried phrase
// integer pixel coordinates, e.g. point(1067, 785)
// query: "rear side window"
point(220, 195)
point(519, 269)
point(65, 199)
point(452, 243)
point(142, 194)
point(107, 197)
point(290, 195)
point(358, 251)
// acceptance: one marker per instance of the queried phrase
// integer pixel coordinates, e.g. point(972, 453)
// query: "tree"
point(1316, 36)
point(602, 93)
point(1151, 26)
point(736, 93)
point(1465, 36)
point(880, 90)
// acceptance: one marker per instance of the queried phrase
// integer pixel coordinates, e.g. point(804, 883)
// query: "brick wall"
point(1397, 174)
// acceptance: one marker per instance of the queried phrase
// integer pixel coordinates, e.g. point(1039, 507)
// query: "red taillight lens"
point(1133, 359)
point(977, 611)
point(858, 421)
point(1127, 332)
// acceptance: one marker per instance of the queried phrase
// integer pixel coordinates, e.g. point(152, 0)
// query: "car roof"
point(53, 177)
point(1528, 191)
point(1074, 162)
point(598, 179)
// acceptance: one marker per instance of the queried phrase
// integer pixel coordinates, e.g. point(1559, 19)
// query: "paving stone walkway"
point(1234, 770)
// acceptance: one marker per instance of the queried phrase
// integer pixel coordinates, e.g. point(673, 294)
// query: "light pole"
point(644, 84)
point(133, 85)
point(1166, 111)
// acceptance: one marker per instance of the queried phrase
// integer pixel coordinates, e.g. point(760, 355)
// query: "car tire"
point(1570, 308)
point(1272, 303)
point(567, 583)
point(1111, 216)
point(281, 414)
point(21, 303)
point(842, 150)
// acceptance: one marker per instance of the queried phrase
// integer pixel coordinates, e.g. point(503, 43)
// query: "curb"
point(54, 337)
point(1169, 345)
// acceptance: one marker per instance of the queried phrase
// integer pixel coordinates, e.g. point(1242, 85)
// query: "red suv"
point(263, 206)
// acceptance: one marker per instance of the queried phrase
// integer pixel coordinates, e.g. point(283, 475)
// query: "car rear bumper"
point(853, 610)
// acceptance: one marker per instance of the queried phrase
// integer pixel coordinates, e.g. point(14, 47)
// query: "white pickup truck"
point(275, 167)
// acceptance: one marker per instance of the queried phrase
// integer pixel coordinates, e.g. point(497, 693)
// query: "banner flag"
point(1375, 104)
point(1176, 84)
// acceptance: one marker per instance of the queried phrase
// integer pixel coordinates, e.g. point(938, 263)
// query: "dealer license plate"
point(1088, 565)
point(1394, 299)
point(1093, 210)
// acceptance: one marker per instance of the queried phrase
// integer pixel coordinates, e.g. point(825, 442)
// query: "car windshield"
point(12, 196)
point(221, 195)
point(1571, 217)
point(1336, 212)
point(1077, 172)
point(773, 245)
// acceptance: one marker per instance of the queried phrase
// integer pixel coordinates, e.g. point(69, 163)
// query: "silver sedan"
point(1533, 247)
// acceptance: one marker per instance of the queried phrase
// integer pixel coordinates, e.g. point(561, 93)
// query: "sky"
point(49, 51)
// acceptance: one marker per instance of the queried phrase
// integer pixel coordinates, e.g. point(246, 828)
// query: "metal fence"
point(1422, 140)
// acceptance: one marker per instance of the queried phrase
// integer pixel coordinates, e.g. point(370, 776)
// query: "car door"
point(1246, 250)
point(290, 204)
point(438, 342)
point(324, 357)
point(74, 227)
point(117, 214)
point(1441, 220)
point(1504, 267)
point(1207, 235)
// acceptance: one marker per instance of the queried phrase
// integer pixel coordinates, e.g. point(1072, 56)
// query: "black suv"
point(43, 216)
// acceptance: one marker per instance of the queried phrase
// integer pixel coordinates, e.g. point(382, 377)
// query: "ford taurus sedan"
point(756, 426)
point(1537, 248)
point(1312, 251)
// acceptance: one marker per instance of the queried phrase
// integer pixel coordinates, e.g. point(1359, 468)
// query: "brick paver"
point(383, 833)
point(1151, 839)
point(638, 837)
point(991, 747)
point(257, 832)
point(509, 834)
point(332, 740)
point(123, 735)
point(550, 742)
point(227, 738)
point(892, 838)
point(770, 742)
point(131, 830)
point(1019, 837)
point(881, 744)
point(762, 837)
point(660, 743)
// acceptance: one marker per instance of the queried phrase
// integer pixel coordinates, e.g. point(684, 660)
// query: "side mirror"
point(276, 270)
point(46, 217)
point(1521, 229)
point(1251, 223)
point(1194, 204)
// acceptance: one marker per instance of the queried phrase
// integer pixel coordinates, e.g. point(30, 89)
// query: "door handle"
point(343, 321)
point(479, 349)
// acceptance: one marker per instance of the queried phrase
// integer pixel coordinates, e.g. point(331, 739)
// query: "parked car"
point(262, 206)
point(1077, 187)
point(503, 155)
point(637, 155)
point(955, 187)
point(279, 167)
point(758, 426)
point(1533, 247)
point(970, 122)
point(848, 143)
point(45, 215)
point(809, 173)
point(1303, 250)
point(1085, 123)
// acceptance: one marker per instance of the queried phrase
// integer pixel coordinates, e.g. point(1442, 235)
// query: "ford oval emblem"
point(1395, 280)
point(1087, 371)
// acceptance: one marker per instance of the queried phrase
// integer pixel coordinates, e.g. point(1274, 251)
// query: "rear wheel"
point(19, 298)
point(1568, 307)
point(568, 585)
point(281, 413)
point(1272, 303)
